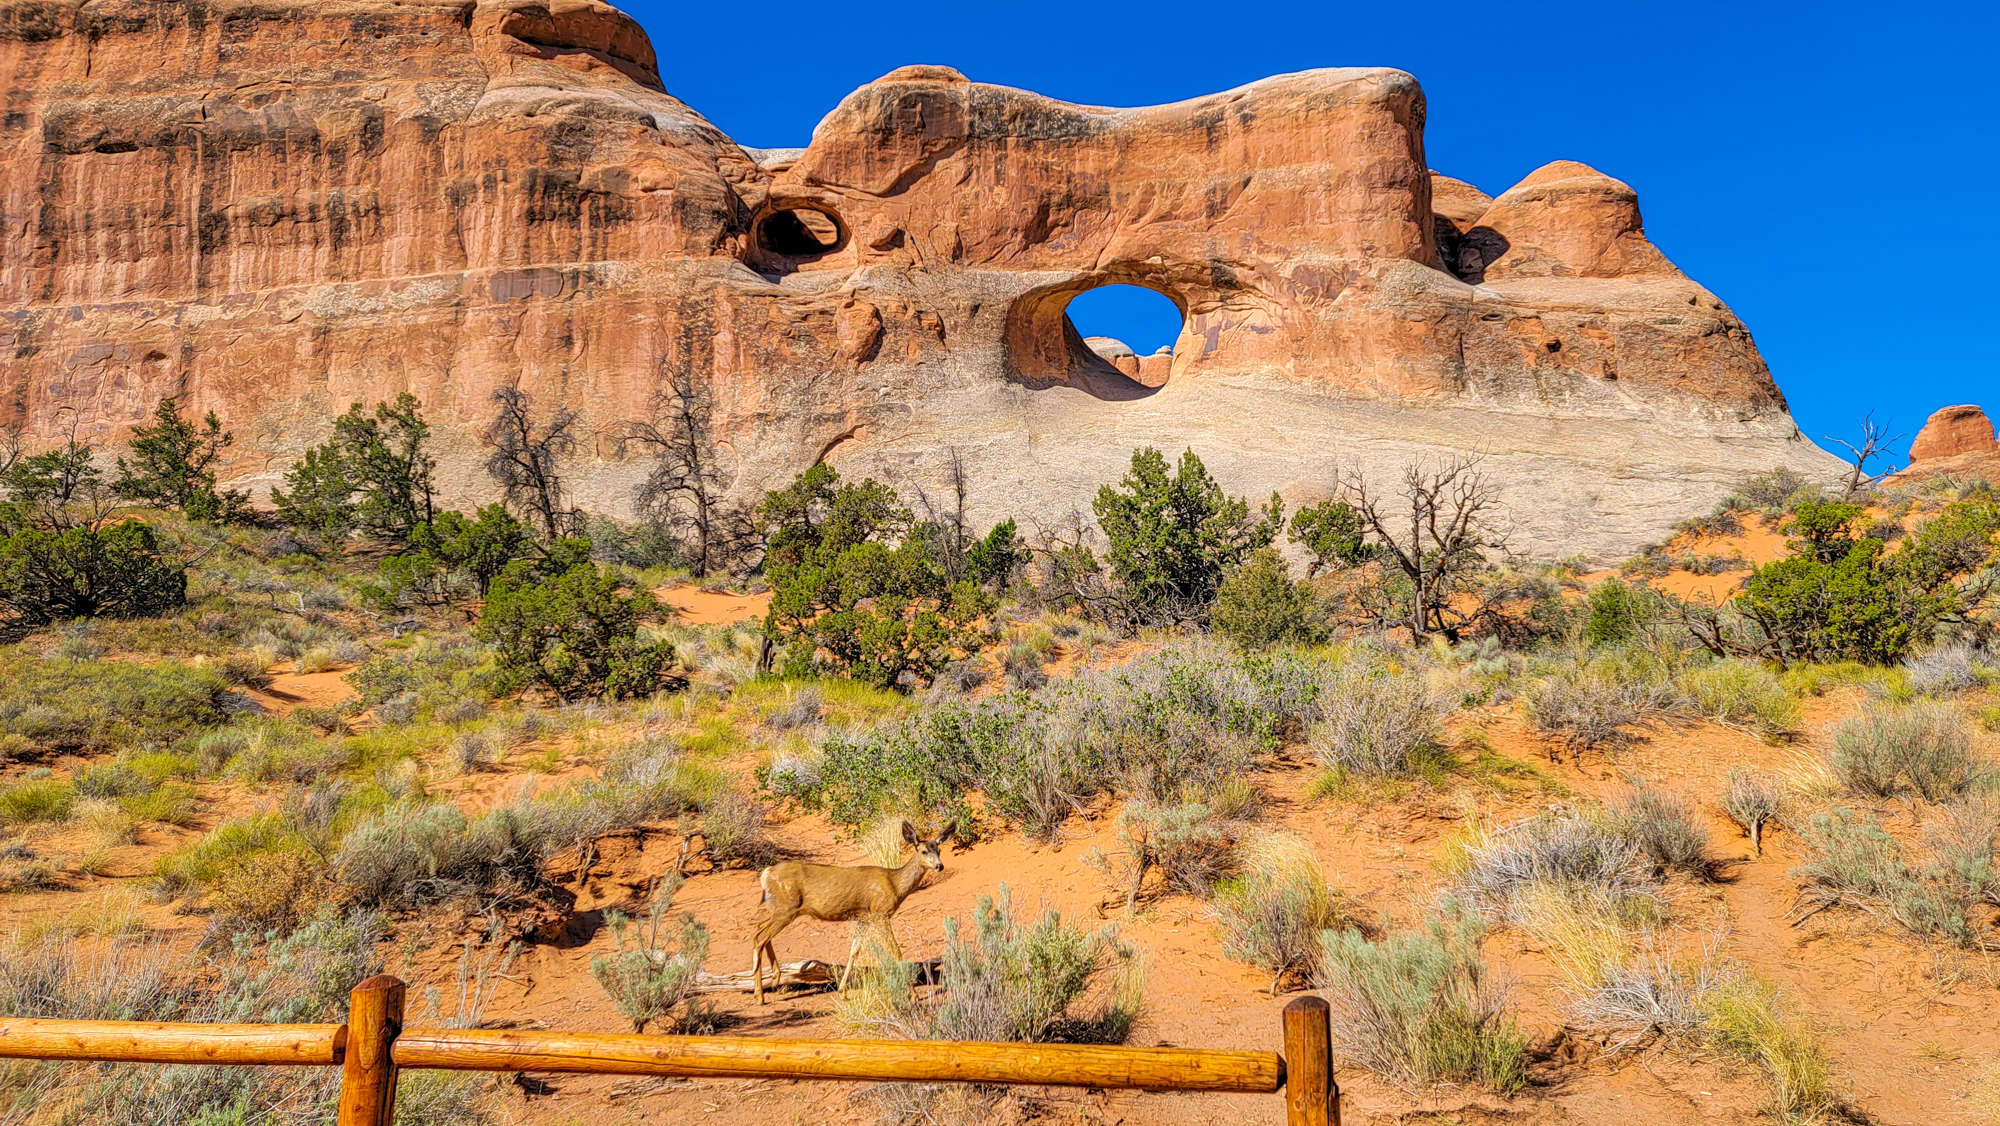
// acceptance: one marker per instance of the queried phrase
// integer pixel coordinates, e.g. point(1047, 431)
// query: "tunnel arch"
point(787, 234)
point(1046, 349)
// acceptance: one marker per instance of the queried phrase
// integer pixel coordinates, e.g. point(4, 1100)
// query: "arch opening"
point(1047, 330)
point(1130, 327)
point(800, 233)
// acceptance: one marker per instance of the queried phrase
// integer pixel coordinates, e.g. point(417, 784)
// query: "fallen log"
point(809, 972)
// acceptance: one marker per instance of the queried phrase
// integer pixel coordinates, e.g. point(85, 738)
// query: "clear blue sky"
point(1827, 169)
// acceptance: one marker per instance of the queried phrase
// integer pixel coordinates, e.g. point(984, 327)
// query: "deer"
point(838, 895)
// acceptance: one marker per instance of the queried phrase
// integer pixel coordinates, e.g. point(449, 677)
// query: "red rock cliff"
point(276, 208)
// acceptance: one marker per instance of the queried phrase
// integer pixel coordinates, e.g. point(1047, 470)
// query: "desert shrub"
point(198, 864)
point(1742, 693)
point(410, 855)
point(1273, 914)
point(1189, 845)
point(1949, 668)
point(274, 750)
point(732, 825)
point(656, 962)
point(1773, 492)
point(857, 589)
point(1376, 723)
point(1617, 612)
point(1570, 849)
point(1021, 667)
point(1852, 861)
point(802, 710)
point(1171, 726)
point(91, 705)
point(1924, 748)
point(1587, 703)
point(568, 629)
point(1753, 801)
point(269, 889)
point(1260, 606)
point(428, 676)
point(1748, 1017)
point(25, 803)
point(1667, 830)
point(173, 803)
point(1422, 1008)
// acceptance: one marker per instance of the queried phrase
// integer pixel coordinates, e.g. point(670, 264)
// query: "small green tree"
point(1260, 606)
point(60, 556)
point(172, 467)
point(386, 455)
point(1842, 595)
point(857, 589)
point(1173, 536)
point(318, 499)
point(564, 624)
point(116, 571)
point(1334, 533)
point(453, 548)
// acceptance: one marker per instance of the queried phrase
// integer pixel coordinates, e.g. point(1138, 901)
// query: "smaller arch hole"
point(799, 232)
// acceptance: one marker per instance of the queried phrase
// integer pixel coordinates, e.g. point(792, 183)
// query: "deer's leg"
point(760, 945)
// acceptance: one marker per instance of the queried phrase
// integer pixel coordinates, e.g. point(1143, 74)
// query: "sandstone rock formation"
point(1957, 440)
point(273, 208)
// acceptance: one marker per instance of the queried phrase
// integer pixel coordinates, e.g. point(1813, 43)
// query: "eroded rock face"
point(1953, 431)
point(274, 209)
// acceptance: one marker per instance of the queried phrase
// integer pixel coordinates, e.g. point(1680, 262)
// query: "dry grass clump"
point(1923, 748)
point(1272, 914)
point(1572, 850)
point(1374, 723)
point(732, 825)
point(1423, 1008)
point(1646, 999)
point(1743, 694)
point(1955, 667)
point(1668, 831)
point(655, 964)
point(1748, 1016)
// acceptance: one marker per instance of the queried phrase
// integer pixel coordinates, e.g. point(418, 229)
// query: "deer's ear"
point(950, 827)
point(910, 832)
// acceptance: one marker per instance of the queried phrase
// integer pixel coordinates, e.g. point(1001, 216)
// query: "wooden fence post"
point(1312, 1098)
point(368, 1073)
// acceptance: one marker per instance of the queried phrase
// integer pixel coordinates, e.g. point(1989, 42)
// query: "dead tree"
point(951, 537)
point(1432, 530)
point(527, 457)
point(686, 493)
point(1875, 443)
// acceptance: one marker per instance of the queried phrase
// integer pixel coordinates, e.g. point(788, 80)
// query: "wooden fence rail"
point(373, 1046)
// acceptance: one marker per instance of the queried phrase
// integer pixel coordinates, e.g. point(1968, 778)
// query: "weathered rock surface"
point(1952, 431)
point(1955, 440)
point(273, 208)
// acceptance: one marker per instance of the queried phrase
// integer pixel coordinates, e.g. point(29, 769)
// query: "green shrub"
point(118, 570)
point(89, 705)
point(1332, 531)
point(1260, 606)
point(1172, 539)
point(1585, 703)
point(1423, 1008)
point(1841, 595)
point(573, 633)
point(1924, 748)
point(197, 865)
point(655, 965)
point(857, 589)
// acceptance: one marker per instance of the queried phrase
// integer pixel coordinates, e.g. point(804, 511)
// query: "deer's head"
point(929, 850)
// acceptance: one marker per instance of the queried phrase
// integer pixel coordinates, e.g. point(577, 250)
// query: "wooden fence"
point(373, 1046)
